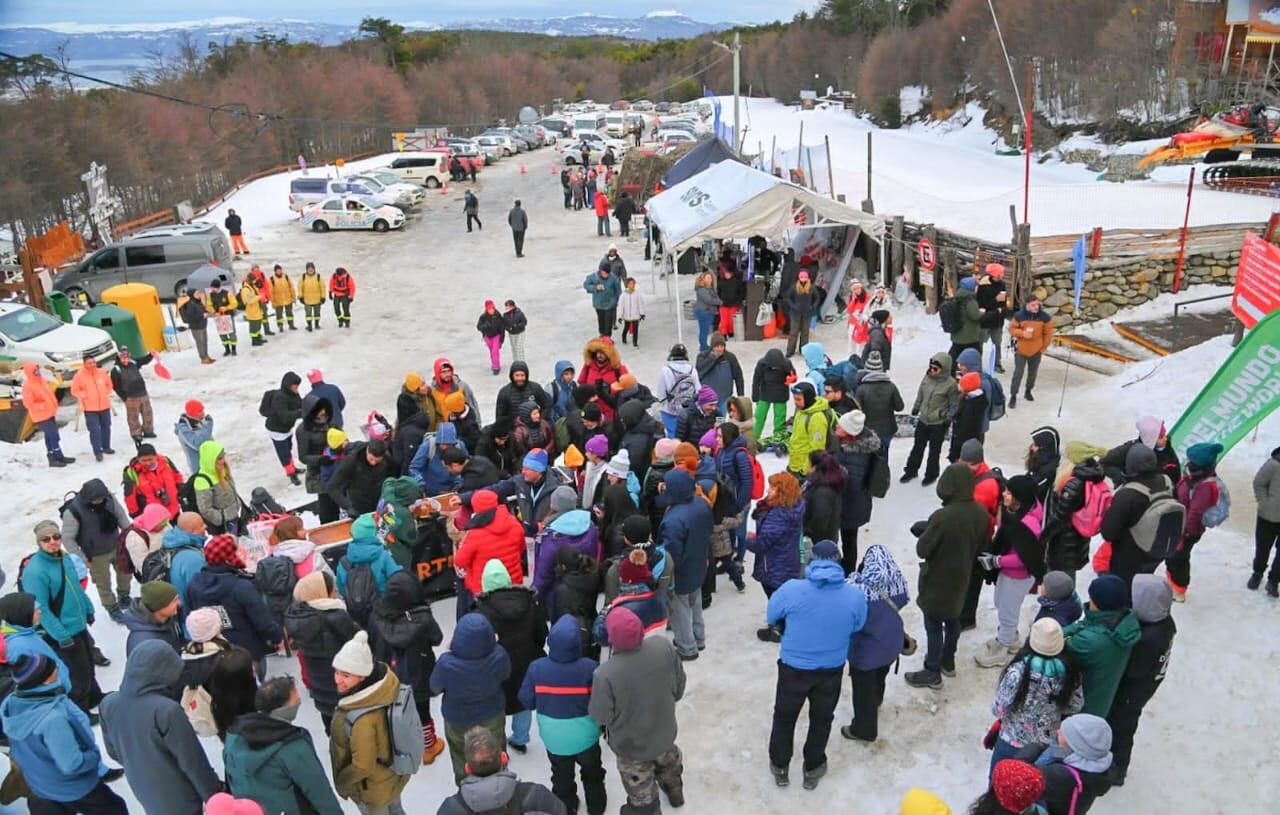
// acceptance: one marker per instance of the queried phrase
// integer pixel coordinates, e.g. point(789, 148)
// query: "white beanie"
point(1046, 637)
point(355, 657)
point(852, 422)
point(619, 465)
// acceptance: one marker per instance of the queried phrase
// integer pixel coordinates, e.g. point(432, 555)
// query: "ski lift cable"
point(1017, 94)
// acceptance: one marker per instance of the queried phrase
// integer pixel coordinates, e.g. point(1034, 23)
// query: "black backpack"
point(187, 492)
point(361, 591)
point(156, 565)
point(725, 504)
point(950, 314)
point(264, 406)
point(275, 578)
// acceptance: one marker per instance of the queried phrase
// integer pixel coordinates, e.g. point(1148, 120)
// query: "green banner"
point(1243, 392)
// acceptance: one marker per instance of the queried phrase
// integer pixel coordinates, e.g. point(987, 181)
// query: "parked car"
point(403, 194)
point(662, 107)
point(31, 335)
point(505, 145)
point(426, 168)
point(533, 135)
point(350, 213)
point(493, 148)
point(668, 138)
point(162, 257)
point(520, 145)
point(304, 192)
point(467, 148)
point(643, 104)
point(561, 127)
point(621, 104)
point(600, 142)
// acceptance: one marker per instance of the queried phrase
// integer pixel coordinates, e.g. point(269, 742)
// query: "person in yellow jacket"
point(223, 305)
point(311, 292)
point(254, 311)
point(282, 298)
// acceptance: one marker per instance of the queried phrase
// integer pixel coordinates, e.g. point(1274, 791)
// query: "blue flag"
point(1078, 253)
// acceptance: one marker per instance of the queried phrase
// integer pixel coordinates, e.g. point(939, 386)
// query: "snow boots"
point(1255, 579)
point(812, 777)
point(781, 775)
point(994, 654)
point(924, 678)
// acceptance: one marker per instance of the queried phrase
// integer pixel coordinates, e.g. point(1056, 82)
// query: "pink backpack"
point(1087, 520)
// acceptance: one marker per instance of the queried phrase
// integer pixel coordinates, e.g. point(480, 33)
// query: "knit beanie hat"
point(970, 382)
point(1204, 455)
point(922, 802)
point(152, 517)
point(706, 396)
point(626, 632)
point(624, 383)
point(1088, 736)
point(31, 670)
point(1081, 451)
point(18, 608)
point(1058, 585)
point(687, 456)
point(825, 550)
point(157, 594)
point(484, 500)
point(971, 452)
point(591, 411)
point(364, 527)
point(636, 529)
point(455, 402)
point(563, 500)
point(204, 624)
point(1017, 784)
point(447, 433)
point(355, 657)
point(193, 408)
point(495, 576)
point(224, 804)
point(619, 465)
point(716, 338)
point(573, 458)
point(221, 550)
point(875, 362)
point(535, 460)
point(852, 422)
point(995, 270)
point(634, 568)
point(969, 283)
point(598, 446)
point(665, 449)
point(413, 382)
point(311, 587)
point(1109, 592)
point(46, 528)
point(335, 438)
point(1046, 637)
point(1148, 428)
point(709, 440)
point(1023, 489)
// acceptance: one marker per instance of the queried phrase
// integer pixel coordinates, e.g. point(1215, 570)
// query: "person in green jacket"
point(65, 611)
point(272, 762)
point(969, 334)
point(1102, 641)
point(396, 524)
point(810, 427)
point(936, 400)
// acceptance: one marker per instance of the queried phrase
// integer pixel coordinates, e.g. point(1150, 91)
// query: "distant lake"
point(114, 70)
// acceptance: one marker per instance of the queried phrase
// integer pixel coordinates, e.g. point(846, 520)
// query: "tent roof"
point(698, 159)
point(732, 200)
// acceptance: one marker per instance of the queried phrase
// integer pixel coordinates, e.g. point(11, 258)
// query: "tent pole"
point(831, 176)
point(679, 311)
point(773, 152)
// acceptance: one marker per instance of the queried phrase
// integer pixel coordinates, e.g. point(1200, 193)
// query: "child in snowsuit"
point(631, 312)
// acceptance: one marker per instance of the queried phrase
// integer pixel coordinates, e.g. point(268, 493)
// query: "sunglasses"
point(57, 536)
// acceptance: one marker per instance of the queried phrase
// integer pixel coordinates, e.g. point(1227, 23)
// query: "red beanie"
point(484, 500)
point(1017, 784)
point(635, 568)
point(221, 550)
point(971, 381)
point(626, 632)
point(193, 408)
point(314, 375)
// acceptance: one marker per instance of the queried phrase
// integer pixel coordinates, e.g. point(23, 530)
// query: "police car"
point(348, 213)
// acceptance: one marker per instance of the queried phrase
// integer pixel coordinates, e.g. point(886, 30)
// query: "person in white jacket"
point(677, 387)
point(631, 312)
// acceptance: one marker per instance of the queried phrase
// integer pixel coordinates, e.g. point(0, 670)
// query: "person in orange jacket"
point(41, 402)
point(262, 285)
point(1033, 331)
point(342, 290)
point(92, 387)
point(601, 203)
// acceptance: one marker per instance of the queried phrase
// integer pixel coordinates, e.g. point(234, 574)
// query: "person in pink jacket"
point(92, 387)
point(1017, 559)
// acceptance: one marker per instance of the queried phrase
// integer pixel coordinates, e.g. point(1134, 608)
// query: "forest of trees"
point(256, 104)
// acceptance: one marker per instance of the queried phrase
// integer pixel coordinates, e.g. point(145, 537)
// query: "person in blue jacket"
point(470, 675)
point(685, 533)
point(185, 543)
point(323, 390)
point(557, 688)
point(428, 467)
point(560, 391)
point(366, 548)
point(877, 646)
point(605, 289)
point(970, 359)
point(20, 625)
point(822, 613)
point(52, 741)
point(734, 461)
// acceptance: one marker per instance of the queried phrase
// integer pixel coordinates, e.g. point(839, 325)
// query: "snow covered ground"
point(948, 173)
point(1201, 747)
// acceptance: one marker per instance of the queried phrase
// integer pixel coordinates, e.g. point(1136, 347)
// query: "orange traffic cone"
point(444, 188)
point(522, 168)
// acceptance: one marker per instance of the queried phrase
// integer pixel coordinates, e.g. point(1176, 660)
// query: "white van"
point(588, 123)
point(428, 168)
point(615, 123)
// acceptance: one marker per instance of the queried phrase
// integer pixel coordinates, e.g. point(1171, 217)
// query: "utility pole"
point(738, 133)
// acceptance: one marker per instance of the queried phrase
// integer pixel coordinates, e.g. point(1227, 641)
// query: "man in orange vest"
point(92, 387)
point(41, 402)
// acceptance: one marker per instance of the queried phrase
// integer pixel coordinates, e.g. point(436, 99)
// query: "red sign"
point(1257, 292)
point(927, 254)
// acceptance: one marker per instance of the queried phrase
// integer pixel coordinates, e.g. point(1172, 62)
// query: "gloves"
point(989, 562)
point(993, 733)
point(915, 411)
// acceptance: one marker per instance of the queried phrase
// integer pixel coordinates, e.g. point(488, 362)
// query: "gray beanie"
point(563, 500)
point(46, 528)
point(1089, 737)
point(971, 452)
point(1058, 585)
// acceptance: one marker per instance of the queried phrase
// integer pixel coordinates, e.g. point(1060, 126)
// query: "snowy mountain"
point(126, 43)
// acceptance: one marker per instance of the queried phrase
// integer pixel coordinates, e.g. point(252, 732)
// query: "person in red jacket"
point(1198, 492)
point(41, 402)
point(601, 367)
point(492, 533)
point(601, 203)
point(151, 479)
point(342, 290)
point(988, 494)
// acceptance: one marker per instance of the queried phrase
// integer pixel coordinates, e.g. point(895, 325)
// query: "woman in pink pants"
point(491, 331)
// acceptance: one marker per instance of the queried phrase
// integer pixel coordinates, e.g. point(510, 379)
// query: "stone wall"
point(1107, 290)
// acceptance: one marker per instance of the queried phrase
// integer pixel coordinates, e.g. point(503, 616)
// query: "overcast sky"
point(35, 12)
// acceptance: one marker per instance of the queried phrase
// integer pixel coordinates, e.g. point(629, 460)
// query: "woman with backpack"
point(215, 490)
point(402, 633)
point(143, 537)
point(282, 408)
point(1204, 495)
point(318, 626)
point(224, 583)
point(576, 591)
point(779, 518)
point(213, 693)
point(1074, 512)
point(1036, 691)
point(877, 645)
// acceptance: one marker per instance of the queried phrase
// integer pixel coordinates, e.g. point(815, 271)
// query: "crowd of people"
point(588, 523)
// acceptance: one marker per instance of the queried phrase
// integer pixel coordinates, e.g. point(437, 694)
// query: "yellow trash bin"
point(143, 302)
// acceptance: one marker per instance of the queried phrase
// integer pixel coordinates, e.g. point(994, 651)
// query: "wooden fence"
point(1118, 247)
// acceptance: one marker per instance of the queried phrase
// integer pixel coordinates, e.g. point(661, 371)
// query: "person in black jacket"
point(318, 626)
point(519, 390)
point(223, 582)
point(1152, 433)
point(356, 485)
point(699, 417)
point(732, 290)
point(970, 414)
point(640, 432)
point(1144, 673)
point(521, 626)
point(1127, 507)
point(1076, 768)
point(838, 399)
point(822, 493)
point(495, 445)
point(1066, 550)
point(878, 339)
point(235, 228)
point(1042, 460)
point(477, 472)
point(196, 316)
point(770, 388)
point(312, 435)
point(514, 320)
point(282, 409)
point(802, 303)
point(129, 385)
point(880, 401)
point(624, 210)
point(402, 633)
point(492, 332)
point(857, 443)
point(993, 301)
point(718, 369)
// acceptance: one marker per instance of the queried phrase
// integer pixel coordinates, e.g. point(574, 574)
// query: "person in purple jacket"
point(566, 526)
point(874, 648)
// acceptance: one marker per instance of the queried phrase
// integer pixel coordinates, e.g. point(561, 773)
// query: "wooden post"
point(868, 206)
point(831, 175)
point(895, 250)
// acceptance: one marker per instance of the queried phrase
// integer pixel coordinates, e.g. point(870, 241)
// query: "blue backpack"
point(996, 406)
